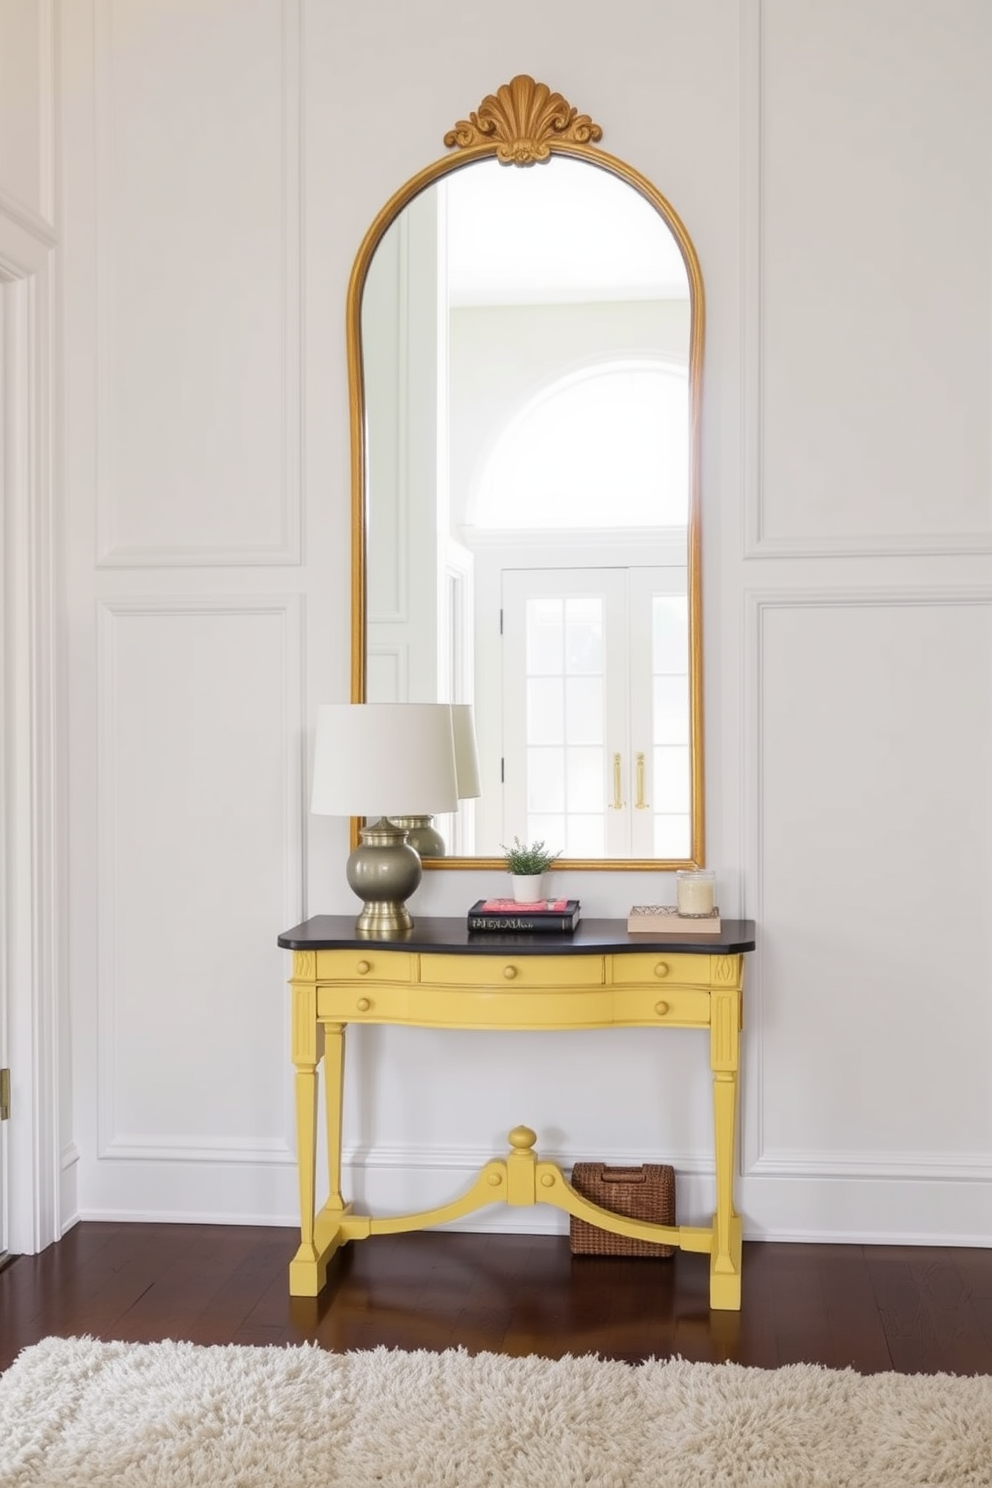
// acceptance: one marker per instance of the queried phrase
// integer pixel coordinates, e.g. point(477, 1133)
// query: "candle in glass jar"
point(696, 893)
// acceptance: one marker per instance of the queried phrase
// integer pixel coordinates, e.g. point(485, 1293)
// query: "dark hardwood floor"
point(875, 1308)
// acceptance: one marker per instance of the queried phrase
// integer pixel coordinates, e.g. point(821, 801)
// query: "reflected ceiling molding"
point(522, 119)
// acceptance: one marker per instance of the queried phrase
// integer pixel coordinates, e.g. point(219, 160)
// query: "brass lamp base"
point(383, 871)
point(425, 840)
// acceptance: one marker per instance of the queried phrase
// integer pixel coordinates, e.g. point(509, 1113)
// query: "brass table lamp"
point(374, 759)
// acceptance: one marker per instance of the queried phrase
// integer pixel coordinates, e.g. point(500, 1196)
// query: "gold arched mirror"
point(524, 357)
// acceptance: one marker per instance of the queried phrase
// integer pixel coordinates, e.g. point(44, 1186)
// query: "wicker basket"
point(647, 1193)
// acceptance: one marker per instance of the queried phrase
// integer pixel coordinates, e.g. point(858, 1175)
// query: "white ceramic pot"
point(528, 888)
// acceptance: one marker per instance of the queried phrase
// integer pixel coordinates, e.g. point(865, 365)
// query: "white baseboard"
point(893, 1208)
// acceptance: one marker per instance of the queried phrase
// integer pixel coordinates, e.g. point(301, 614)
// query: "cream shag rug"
point(81, 1413)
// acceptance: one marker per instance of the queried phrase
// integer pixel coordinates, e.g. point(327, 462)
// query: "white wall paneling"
point(871, 829)
point(198, 295)
point(831, 166)
point(387, 673)
point(27, 105)
point(868, 277)
point(200, 855)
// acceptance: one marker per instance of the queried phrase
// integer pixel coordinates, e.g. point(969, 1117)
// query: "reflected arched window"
point(603, 448)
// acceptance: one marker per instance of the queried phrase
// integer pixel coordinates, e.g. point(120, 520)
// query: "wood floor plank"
point(975, 1269)
point(855, 1323)
point(947, 1299)
point(195, 1272)
point(228, 1308)
point(909, 1330)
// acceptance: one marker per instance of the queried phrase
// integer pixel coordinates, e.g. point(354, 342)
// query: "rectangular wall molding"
point(113, 549)
point(880, 1167)
point(199, 1149)
point(120, 1015)
point(758, 1158)
point(388, 673)
point(758, 542)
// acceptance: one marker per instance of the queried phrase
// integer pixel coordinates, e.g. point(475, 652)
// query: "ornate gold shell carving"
point(522, 118)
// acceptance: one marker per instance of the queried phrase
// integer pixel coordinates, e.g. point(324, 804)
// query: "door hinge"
point(4, 1094)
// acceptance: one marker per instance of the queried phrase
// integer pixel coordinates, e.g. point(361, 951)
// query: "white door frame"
point(32, 868)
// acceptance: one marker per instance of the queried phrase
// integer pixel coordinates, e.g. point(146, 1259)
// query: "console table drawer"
point(518, 972)
point(687, 1007)
point(657, 969)
point(372, 965)
point(517, 1007)
point(376, 1004)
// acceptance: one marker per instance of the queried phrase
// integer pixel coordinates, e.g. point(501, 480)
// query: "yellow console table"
point(440, 975)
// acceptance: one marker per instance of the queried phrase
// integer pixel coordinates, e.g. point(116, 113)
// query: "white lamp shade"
point(466, 753)
point(383, 759)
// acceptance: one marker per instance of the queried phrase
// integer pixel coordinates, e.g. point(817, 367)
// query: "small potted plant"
point(527, 864)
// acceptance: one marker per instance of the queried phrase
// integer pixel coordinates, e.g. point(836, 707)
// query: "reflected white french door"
point(595, 710)
point(565, 707)
point(658, 659)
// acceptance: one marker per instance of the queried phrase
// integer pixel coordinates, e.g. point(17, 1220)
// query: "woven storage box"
point(647, 1192)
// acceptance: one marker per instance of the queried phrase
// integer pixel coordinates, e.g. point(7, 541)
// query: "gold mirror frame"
point(524, 124)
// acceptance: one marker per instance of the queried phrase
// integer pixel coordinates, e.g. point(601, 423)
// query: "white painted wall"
point(221, 163)
point(27, 120)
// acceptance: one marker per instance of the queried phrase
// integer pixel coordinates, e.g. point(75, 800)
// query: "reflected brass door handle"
point(617, 803)
point(640, 804)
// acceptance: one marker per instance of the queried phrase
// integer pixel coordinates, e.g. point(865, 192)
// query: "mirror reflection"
point(525, 339)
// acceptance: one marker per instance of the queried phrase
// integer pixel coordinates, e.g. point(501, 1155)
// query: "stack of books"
point(508, 915)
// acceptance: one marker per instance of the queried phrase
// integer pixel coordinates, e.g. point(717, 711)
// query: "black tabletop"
point(429, 933)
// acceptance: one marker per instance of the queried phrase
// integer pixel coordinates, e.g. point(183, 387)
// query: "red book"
point(511, 906)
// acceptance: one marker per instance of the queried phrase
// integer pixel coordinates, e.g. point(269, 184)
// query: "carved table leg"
point(321, 1234)
point(725, 1257)
point(333, 1108)
point(303, 1277)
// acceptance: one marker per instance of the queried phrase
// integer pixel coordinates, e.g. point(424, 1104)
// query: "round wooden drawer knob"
point(509, 972)
point(661, 1008)
point(363, 1004)
point(661, 970)
point(363, 968)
